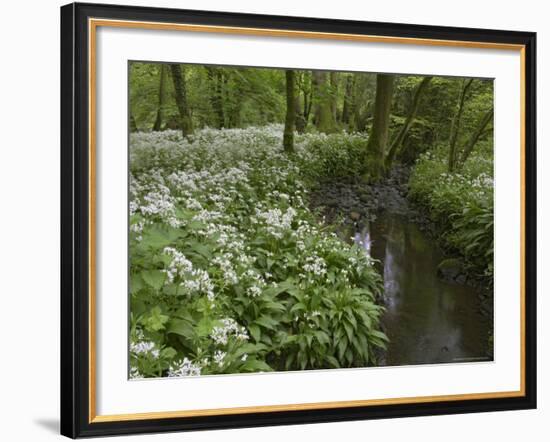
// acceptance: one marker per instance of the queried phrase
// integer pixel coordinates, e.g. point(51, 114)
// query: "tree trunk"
point(180, 90)
point(299, 121)
point(378, 138)
point(488, 117)
point(133, 124)
point(334, 95)
point(215, 78)
point(162, 92)
point(234, 98)
point(455, 126)
point(348, 99)
point(288, 136)
point(398, 141)
point(323, 110)
point(308, 101)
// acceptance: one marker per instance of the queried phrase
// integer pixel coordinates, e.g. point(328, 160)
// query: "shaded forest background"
point(404, 115)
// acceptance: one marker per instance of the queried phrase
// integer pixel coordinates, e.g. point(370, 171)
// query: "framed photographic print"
point(278, 220)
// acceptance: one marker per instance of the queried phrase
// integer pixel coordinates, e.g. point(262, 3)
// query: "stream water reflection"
point(426, 319)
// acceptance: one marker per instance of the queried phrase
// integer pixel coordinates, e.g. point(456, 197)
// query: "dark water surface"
point(427, 320)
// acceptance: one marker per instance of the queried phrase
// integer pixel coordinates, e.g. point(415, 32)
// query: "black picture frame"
point(75, 219)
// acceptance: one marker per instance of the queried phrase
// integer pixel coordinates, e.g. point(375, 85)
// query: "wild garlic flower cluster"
point(184, 368)
point(199, 282)
point(229, 327)
point(255, 282)
point(276, 221)
point(144, 347)
point(315, 265)
point(135, 373)
point(224, 263)
point(219, 358)
point(191, 279)
point(483, 180)
point(179, 267)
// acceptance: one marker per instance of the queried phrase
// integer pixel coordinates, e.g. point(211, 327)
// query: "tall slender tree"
point(398, 140)
point(215, 79)
point(180, 90)
point(288, 135)
point(162, 92)
point(307, 89)
point(323, 108)
point(469, 147)
point(455, 126)
point(334, 80)
point(378, 138)
point(348, 99)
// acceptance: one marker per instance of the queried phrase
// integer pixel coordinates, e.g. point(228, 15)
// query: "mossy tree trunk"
point(378, 138)
point(308, 97)
point(455, 126)
point(180, 90)
point(215, 78)
point(398, 140)
point(162, 92)
point(468, 149)
point(334, 79)
point(323, 102)
point(288, 135)
point(348, 100)
point(133, 124)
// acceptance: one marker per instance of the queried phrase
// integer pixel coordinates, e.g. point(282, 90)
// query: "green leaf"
point(195, 225)
point(266, 322)
point(285, 286)
point(322, 337)
point(297, 307)
point(154, 278)
point(159, 237)
point(277, 306)
point(290, 360)
point(380, 335)
point(342, 345)
point(204, 327)
point(181, 327)
point(253, 364)
point(333, 361)
point(254, 331)
point(201, 249)
point(249, 349)
point(136, 283)
point(168, 353)
point(155, 321)
point(349, 330)
point(302, 360)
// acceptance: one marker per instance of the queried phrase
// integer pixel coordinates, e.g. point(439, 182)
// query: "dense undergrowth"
point(230, 272)
point(460, 204)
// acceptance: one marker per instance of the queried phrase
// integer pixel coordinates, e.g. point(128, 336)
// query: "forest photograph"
point(293, 219)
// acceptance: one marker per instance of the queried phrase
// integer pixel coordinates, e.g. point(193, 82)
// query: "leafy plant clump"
point(230, 272)
point(461, 205)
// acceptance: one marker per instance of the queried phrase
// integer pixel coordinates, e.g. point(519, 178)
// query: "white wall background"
point(29, 219)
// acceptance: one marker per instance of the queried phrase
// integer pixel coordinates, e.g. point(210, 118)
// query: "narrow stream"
point(427, 320)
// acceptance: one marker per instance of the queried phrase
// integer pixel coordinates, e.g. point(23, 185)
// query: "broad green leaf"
point(154, 278)
point(266, 321)
point(181, 327)
point(136, 283)
point(155, 320)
